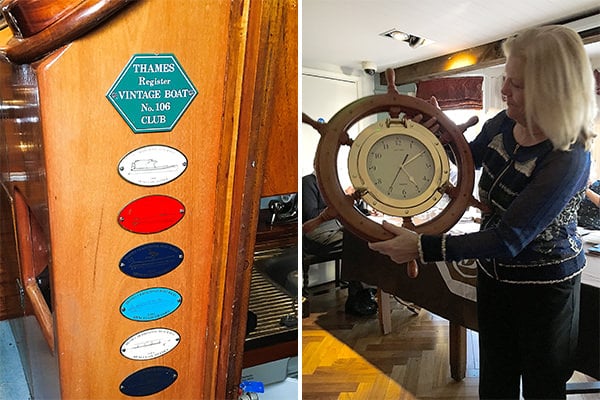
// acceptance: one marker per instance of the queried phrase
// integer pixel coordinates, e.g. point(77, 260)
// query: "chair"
point(309, 259)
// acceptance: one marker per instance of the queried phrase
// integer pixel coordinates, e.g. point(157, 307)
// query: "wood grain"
point(42, 27)
point(346, 357)
point(73, 148)
point(26, 18)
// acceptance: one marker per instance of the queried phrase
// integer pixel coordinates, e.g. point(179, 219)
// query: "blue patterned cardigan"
point(534, 193)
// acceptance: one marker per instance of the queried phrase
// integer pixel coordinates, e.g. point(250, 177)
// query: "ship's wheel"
point(399, 166)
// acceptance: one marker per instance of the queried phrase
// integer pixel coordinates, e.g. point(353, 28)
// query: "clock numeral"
point(377, 156)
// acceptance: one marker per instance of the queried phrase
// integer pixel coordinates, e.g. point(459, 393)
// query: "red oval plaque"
point(151, 214)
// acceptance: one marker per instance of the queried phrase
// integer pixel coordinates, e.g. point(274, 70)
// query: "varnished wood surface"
point(10, 303)
point(75, 159)
point(26, 18)
point(428, 290)
point(47, 33)
point(263, 62)
point(347, 358)
point(22, 166)
point(33, 256)
point(281, 106)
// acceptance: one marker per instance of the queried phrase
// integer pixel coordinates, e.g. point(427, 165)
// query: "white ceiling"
point(342, 33)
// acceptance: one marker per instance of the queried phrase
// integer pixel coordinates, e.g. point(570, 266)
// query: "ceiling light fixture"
point(412, 40)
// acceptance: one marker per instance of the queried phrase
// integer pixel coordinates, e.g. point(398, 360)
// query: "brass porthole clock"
point(400, 166)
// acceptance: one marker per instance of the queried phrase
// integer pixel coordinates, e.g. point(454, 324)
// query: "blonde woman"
point(535, 163)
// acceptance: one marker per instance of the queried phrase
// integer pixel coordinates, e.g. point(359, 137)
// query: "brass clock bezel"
point(371, 194)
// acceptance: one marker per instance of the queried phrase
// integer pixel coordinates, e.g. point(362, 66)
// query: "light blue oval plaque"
point(150, 304)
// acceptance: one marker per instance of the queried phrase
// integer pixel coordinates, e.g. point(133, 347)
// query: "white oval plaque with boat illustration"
point(152, 165)
point(149, 344)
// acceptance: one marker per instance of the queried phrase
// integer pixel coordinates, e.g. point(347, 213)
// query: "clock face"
point(399, 168)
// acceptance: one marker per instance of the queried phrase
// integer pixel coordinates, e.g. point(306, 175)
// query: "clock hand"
point(413, 158)
point(410, 178)
point(404, 161)
point(397, 173)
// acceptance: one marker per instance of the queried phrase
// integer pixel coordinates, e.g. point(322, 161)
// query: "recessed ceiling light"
point(397, 35)
point(412, 40)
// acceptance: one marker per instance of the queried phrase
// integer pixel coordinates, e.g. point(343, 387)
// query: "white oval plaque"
point(152, 165)
point(149, 344)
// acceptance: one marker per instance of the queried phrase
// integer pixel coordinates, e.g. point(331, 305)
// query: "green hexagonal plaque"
point(152, 93)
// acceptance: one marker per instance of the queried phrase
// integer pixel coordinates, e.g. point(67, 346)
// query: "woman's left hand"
point(402, 248)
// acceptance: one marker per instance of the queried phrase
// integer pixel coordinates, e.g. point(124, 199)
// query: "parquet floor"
point(347, 358)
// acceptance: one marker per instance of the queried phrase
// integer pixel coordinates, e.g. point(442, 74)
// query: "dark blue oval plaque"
point(150, 304)
point(151, 260)
point(148, 381)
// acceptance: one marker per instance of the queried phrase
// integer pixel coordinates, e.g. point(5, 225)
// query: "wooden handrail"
point(41, 29)
point(33, 257)
point(26, 18)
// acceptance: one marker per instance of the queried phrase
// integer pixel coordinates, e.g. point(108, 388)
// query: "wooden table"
point(588, 350)
point(448, 290)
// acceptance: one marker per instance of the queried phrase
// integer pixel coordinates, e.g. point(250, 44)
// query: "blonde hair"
point(559, 83)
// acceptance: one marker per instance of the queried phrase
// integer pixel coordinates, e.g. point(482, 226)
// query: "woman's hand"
point(402, 248)
point(431, 123)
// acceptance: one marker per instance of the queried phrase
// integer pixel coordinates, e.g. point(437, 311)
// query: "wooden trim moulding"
point(487, 55)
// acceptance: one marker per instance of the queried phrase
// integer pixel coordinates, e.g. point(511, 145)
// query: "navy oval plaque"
point(151, 260)
point(148, 381)
point(151, 304)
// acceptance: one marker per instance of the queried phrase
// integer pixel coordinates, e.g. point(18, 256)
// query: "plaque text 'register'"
point(152, 92)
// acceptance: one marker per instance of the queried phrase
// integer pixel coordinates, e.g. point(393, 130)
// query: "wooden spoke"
point(408, 223)
point(315, 124)
point(334, 134)
point(478, 204)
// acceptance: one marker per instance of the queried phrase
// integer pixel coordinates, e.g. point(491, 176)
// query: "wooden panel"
point(21, 165)
point(62, 154)
point(255, 117)
point(279, 58)
point(10, 305)
point(84, 138)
